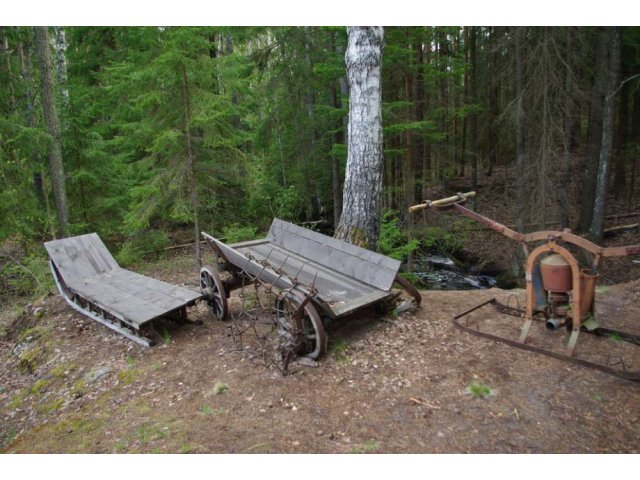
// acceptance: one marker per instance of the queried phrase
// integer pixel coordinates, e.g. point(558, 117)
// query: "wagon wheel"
point(213, 293)
point(301, 331)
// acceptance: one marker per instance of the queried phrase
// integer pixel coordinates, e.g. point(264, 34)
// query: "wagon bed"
point(337, 278)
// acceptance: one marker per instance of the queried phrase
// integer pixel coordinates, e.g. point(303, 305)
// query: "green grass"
point(30, 360)
point(62, 370)
point(338, 351)
point(126, 376)
point(34, 333)
point(51, 406)
point(615, 337)
point(149, 432)
point(166, 336)
point(219, 388)
point(369, 447)
point(206, 410)
point(479, 390)
point(39, 387)
point(8, 437)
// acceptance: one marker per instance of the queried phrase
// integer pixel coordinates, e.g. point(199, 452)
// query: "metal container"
point(556, 274)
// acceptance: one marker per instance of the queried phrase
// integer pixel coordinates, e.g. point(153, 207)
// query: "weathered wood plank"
point(355, 262)
point(332, 286)
point(81, 256)
point(150, 288)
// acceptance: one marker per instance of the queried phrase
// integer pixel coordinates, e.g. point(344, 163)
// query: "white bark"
point(59, 42)
point(362, 193)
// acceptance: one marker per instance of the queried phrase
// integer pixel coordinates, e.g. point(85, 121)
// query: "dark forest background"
point(157, 128)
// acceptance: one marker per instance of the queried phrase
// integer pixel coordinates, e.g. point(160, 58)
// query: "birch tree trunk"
point(47, 94)
point(362, 194)
point(597, 223)
point(60, 44)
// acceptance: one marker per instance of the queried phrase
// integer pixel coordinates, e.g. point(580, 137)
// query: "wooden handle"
point(457, 198)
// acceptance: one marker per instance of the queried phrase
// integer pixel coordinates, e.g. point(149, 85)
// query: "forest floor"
point(406, 384)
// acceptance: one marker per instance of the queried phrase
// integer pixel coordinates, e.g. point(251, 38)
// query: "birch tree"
point(362, 194)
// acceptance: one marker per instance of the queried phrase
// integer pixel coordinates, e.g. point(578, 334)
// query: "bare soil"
point(407, 384)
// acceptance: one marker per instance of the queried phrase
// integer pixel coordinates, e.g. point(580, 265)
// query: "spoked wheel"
point(213, 293)
point(303, 332)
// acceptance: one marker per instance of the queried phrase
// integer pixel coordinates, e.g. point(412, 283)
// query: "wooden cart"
point(317, 280)
point(91, 282)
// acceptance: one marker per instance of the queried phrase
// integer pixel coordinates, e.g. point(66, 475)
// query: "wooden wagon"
point(317, 280)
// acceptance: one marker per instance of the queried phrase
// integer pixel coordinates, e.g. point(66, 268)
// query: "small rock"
point(405, 306)
point(96, 374)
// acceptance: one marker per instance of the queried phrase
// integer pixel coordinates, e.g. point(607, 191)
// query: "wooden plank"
point(355, 262)
point(101, 253)
point(151, 288)
point(360, 302)
point(81, 256)
point(359, 252)
point(332, 286)
point(133, 310)
point(249, 243)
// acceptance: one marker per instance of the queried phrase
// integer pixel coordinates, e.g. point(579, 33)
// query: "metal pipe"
point(555, 323)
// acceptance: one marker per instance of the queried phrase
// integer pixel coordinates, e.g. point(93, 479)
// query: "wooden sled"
point(92, 282)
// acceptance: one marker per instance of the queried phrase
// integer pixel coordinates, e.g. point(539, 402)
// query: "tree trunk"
point(419, 116)
point(597, 223)
point(594, 134)
point(47, 94)
point(520, 145)
point(191, 161)
point(474, 98)
point(494, 109)
point(60, 43)
point(6, 64)
point(361, 211)
point(565, 182)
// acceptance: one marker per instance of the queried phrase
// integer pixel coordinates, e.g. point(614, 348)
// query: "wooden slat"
point(79, 257)
point(152, 288)
point(112, 299)
point(360, 302)
point(332, 286)
point(355, 262)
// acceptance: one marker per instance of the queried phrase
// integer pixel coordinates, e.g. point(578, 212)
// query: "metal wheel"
point(213, 293)
point(301, 331)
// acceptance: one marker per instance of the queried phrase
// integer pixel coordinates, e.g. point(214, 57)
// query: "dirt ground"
point(406, 384)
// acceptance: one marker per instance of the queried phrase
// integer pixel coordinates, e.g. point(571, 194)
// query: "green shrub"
point(445, 240)
point(393, 242)
point(239, 233)
point(141, 244)
point(29, 276)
